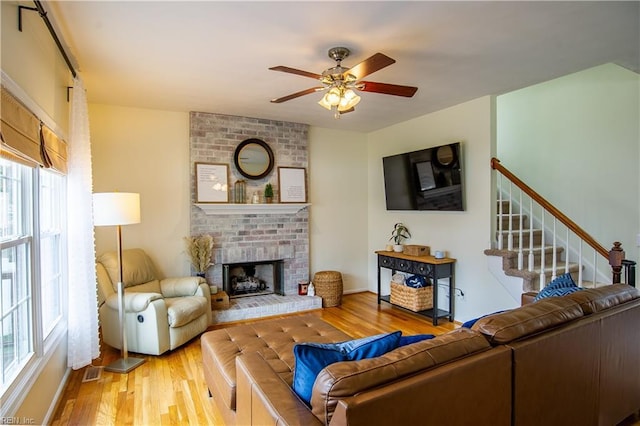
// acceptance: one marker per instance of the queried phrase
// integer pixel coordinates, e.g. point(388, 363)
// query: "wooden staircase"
point(510, 256)
point(538, 254)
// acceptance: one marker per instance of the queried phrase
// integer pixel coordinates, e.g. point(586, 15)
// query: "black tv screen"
point(428, 179)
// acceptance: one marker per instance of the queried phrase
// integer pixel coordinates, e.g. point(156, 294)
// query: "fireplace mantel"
point(229, 208)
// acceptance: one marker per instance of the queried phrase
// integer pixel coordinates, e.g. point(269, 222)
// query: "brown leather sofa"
point(562, 360)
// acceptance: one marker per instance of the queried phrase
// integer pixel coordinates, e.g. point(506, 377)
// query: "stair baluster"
point(554, 254)
point(520, 242)
point(510, 237)
point(500, 212)
point(542, 257)
point(567, 253)
point(531, 255)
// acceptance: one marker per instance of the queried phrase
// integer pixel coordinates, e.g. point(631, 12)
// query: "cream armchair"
point(161, 314)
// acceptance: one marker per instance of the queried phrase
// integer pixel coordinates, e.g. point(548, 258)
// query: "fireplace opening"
point(253, 278)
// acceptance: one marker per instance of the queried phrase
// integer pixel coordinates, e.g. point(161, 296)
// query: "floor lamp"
point(117, 209)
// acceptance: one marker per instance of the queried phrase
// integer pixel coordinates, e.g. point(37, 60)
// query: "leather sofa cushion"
point(183, 310)
point(133, 301)
point(533, 318)
point(593, 300)
point(137, 268)
point(183, 286)
point(344, 379)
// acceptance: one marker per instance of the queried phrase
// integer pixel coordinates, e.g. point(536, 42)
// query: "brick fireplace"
point(246, 237)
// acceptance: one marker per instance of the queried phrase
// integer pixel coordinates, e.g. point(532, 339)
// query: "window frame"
point(16, 386)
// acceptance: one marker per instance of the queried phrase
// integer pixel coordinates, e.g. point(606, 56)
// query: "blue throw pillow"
point(416, 281)
point(563, 284)
point(470, 323)
point(311, 358)
point(407, 340)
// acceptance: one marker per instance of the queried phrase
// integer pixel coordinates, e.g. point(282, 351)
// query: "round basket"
point(328, 285)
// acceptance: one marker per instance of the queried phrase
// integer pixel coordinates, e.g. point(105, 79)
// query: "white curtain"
point(83, 340)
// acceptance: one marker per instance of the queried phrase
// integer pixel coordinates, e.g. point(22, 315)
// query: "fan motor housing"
point(338, 53)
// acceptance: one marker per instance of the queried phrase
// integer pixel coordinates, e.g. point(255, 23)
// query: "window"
point(51, 248)
point(16, 242)
point(32, 267)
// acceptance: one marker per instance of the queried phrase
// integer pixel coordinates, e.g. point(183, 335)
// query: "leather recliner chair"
point(160, 314)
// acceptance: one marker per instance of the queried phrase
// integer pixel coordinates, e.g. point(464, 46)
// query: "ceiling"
point(214, 56)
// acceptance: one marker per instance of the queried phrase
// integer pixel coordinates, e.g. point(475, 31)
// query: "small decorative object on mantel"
point(303, 287)
point(239, 191)
point(200, 251)
point(311, 290)
point(398, 235)
point(268, 193)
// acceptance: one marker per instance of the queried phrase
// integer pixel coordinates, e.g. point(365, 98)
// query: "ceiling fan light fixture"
point(323, 103)
point(333, 96)
point(348, 100)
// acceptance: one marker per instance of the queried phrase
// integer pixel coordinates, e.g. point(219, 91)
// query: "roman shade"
point(20, 131)
point(54, 150)
point(26, 140)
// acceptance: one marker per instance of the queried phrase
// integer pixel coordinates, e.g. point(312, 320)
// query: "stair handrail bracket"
point(538, 204)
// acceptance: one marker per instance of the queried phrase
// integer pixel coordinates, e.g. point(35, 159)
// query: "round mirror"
point(446, 156)
point(253, 158)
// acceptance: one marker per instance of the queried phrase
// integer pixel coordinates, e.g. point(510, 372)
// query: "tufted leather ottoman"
point(273, 339)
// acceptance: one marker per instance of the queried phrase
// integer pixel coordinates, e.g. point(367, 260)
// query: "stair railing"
point(615, 256)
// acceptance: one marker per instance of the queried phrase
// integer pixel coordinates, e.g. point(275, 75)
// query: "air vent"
point(92, 373)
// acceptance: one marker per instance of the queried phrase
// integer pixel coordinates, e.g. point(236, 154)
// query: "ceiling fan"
point(340, 82)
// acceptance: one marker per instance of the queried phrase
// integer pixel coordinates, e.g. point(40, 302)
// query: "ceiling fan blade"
point(370, 65)
point(387, 89)
point(297, 95)
point(296, 71)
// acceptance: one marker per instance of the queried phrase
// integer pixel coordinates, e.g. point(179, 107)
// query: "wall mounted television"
point(428, 179)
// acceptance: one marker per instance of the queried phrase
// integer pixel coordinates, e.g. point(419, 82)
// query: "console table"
point(429, 267)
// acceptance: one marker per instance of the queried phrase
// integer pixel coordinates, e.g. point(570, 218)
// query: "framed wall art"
point(292, 184)
point(212, 183)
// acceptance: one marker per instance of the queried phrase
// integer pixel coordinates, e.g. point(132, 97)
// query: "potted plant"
point(398, 235)
point(268, 193)
point(200, 251)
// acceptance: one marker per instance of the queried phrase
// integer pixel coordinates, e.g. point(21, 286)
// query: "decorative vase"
point(398, 248)
point(268, 200)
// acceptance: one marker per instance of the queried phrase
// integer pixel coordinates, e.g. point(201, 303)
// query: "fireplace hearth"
point(253, 278)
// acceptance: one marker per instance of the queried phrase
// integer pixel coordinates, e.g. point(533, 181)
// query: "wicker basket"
point(414, 299)
point(328, 285)
point(416, 250)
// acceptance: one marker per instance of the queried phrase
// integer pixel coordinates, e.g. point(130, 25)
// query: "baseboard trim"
point(57, 397)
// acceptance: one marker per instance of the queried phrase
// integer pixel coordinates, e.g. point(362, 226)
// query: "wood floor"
point(170, 389)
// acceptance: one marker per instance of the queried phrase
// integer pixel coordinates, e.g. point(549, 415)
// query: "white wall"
point(576, 140)
point(463, 235)
point(145, 151)
point(338, 213)
point(32, 60)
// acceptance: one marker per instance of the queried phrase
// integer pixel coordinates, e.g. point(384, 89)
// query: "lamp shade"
point(116, 208)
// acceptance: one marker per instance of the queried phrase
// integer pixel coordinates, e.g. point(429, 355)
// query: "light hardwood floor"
point(170, 388)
